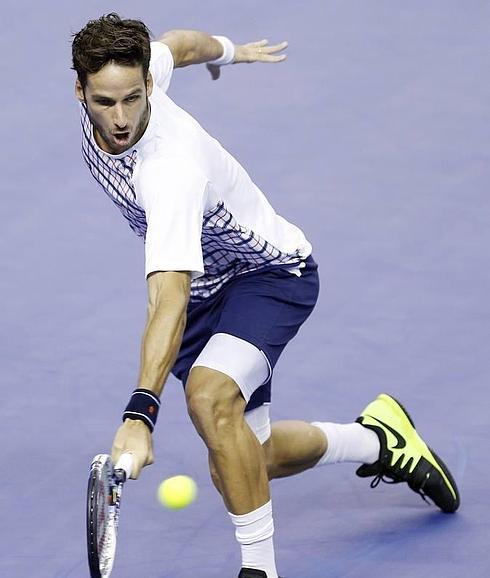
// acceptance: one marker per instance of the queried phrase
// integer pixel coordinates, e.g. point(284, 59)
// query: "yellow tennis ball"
point(177, 492)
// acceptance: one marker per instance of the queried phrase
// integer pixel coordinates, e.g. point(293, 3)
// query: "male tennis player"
point(230, 282)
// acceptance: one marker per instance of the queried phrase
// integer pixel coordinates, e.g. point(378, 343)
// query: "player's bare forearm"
point(168, 295)
point(193, 47)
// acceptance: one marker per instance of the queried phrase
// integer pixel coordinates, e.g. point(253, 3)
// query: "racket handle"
point(125, 464)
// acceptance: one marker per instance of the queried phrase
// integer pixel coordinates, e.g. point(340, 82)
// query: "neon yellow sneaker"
point(404, 456)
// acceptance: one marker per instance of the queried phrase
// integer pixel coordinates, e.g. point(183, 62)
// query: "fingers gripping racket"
point(104, 491)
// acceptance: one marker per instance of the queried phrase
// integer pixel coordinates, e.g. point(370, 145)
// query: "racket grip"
point(125, 463)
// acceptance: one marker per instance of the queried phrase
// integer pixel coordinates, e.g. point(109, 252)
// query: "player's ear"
point(79, 91)
point(149, 84)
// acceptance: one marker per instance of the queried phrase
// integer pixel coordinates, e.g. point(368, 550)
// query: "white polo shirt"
point(193, 203)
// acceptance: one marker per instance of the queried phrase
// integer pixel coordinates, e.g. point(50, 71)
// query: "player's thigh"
point(212, 397)
point(234, 358)
point(225, 364)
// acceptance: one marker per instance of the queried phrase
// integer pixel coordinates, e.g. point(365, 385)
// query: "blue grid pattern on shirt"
point(228, 248)
point(114, 176)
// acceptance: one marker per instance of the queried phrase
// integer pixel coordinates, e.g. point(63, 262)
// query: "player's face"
point(117, 104)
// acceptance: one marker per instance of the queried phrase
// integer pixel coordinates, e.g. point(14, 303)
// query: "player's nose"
point(119, 118)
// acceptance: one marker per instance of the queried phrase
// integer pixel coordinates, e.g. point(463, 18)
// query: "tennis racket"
point(104, 491)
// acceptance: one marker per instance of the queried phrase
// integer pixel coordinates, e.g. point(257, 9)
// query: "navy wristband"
point(143, 405)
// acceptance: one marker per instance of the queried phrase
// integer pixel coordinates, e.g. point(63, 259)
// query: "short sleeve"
point(161, 64)
point(173, 196)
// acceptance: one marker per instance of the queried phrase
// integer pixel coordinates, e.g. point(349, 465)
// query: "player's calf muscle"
point(294, 446)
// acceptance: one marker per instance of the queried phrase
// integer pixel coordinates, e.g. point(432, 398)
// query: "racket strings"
point(104, 494)
point(106, 528)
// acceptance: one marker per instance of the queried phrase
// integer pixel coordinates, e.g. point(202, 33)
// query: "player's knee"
point(214, 402)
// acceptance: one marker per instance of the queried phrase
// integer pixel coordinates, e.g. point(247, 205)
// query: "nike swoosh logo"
point(400, 439)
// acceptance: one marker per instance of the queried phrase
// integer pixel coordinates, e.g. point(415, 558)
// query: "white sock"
point(349, 442)
point(254, 534)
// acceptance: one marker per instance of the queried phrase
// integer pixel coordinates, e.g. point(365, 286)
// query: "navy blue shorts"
point(265, 308)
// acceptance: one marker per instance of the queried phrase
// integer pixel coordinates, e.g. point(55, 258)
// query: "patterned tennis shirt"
point(192, 203)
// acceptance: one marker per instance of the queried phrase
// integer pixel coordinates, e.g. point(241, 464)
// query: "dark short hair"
point(110, 39)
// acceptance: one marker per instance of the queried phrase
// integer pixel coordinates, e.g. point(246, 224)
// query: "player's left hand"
point(259, 51)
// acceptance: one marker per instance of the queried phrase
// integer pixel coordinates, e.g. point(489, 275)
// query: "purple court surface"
point(374, 137)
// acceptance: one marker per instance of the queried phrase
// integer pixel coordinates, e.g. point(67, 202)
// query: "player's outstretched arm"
point(193, 47)
point(168, 295)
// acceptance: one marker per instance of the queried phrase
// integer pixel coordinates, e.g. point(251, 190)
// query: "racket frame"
point(104, 490)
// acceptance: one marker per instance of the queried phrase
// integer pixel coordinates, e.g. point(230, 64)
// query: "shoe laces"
point(388, 480)
point(382, 478)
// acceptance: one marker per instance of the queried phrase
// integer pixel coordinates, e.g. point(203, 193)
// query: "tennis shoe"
point(404, 456)
point(251, 573)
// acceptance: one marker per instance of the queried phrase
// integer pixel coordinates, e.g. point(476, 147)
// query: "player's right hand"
point(135, 438)
point(260, 51)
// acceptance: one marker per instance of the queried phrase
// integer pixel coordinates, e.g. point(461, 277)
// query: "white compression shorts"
point(247, 366)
